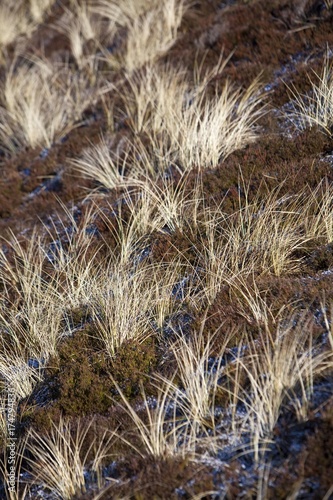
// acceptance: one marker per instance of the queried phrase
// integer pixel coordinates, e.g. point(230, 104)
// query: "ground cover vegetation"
point(166, 256)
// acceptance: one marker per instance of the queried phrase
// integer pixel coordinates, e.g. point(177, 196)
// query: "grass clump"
point(315, 109)
point(61, 458)
point(20, 19)
point(29, 91)
point(151, 30)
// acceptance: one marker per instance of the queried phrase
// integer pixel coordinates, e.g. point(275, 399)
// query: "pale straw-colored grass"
point(19, 18)
point(319, 213)
point(131, 302)
point(160, 433)
point(28, 93)
point(100, 163)
point(84, 26)
point(34, 317)
point(284, 372)
point(198, 380)
point(58, 461)
point(316, 107)
point(20, 490)
point(151, 30)
point(30, 322)
point(180, 121)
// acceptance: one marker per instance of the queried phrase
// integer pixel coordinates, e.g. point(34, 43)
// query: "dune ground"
point(166, 261)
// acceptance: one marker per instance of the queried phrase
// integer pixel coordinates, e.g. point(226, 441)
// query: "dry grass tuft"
point(151, 30)
point(287, 366)
point(132, 302)
point(20, 18)
point(316, 107)
point(87, 30)
point(31, 325)
point(200, 377)
point(60, 459)
point(266, 234)
point(28, 93)
point(160, 433)
point(101, 164)
point(182, 123)
point(127, 276)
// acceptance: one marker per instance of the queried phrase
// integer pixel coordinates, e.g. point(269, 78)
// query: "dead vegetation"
point(175, 311)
